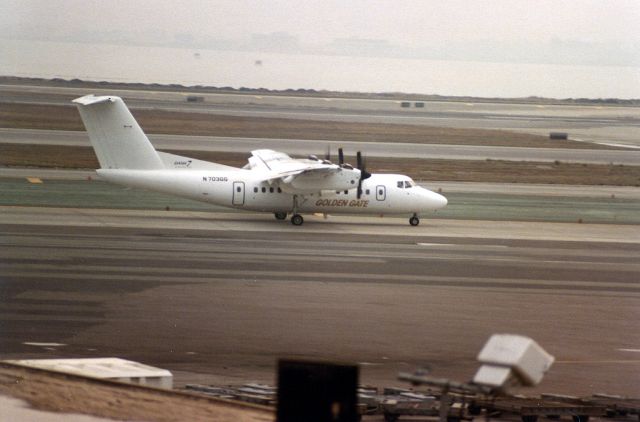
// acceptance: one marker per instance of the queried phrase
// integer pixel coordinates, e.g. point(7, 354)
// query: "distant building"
point(115, 369)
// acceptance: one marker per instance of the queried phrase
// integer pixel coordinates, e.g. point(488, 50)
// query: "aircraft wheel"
point(414, 221)
point(297, 220)
point(280, 215)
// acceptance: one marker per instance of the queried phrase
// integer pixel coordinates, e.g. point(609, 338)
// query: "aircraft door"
point(381, 192)
point(238, 193)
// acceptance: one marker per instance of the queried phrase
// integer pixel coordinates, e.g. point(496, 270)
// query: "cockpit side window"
point(401, 184)
point(409, 184)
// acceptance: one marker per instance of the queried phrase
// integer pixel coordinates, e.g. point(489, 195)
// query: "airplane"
point(270, 182)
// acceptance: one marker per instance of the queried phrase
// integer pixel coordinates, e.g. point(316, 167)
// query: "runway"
point(604, 113)
point(593, 123)
point(467, 201)
point(301, 147)
point(592, 191)
point(218, 297)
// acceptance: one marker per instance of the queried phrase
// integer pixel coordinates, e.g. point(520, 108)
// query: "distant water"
point(282, 71)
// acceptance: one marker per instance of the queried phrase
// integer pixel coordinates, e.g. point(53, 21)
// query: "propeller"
point(341, 163)
point(361, 165)
point(363, 172)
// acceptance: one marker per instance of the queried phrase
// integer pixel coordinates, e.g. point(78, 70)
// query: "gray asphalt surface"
point(217, 298)
point(301, 147)
point(602, 124)
point(466, 201)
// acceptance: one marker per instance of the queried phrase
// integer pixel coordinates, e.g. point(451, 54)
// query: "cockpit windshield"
point(406, 184)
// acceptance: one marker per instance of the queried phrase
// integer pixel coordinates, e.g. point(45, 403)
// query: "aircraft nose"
point(436, 200)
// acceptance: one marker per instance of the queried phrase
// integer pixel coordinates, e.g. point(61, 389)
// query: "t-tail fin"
point(117, 139)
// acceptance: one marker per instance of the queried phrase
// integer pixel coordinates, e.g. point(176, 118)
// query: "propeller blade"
point(340, 156)
point(359, 164)
point(327, 156)
point(364, 174)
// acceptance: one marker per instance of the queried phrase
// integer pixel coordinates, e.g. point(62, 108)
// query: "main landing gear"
point(297, 220)
point(414, 220)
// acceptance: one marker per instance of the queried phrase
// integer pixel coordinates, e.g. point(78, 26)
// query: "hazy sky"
point(403, 22)
point(546, 32)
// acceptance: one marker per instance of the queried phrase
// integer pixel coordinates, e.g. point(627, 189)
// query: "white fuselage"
point(245, 189)
point(271, 181)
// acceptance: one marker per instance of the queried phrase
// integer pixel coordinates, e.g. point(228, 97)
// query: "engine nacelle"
point(312, 182)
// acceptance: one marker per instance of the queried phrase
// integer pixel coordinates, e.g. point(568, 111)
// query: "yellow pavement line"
point(34, 180)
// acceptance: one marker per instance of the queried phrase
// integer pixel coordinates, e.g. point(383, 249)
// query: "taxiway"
point(304, 147)
point(218, 297)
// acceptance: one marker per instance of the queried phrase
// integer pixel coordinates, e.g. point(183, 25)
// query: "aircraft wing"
point(278, 165)
point(301, 175)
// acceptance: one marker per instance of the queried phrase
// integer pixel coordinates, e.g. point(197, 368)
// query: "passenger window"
point(338, 192)
point(279, 190)
point(238, 189)
point(346, 192)
point(400, 184)
point(367, 191)
point(255, 189)
point(380, 192)
point(264, 189)
point(271, 190)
